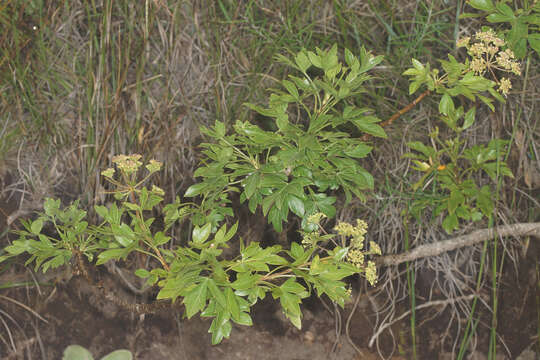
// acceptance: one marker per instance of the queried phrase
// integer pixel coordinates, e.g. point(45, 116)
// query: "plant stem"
point(411, 286)
point(401, 112)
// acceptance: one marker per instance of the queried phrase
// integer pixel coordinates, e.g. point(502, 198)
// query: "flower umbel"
point(127, 163)
point(153, 166)
point(357, 254)
point(108, 173)
point(504, 86)
point(488, 55)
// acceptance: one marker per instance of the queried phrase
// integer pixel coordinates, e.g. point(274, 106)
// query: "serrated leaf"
point(102, 211)
point(420, 147)
point(359, 151)
point(36, 226)
point(195, 300)
point(498, 18)
point(217, 294)
point(534, 42)
point(291, 88)
point(504, 9)
point(142, 273)
point(275, 217)
point(296, 250)
point(243, 319)
point(340, 253)
point(349, 57)
point(201, 234)
point(469, 118)
point(314, 59)
point(291, 286)
point(456, 199)
point(252, 182)
point(484, 201)
point(302, 61)
point(220, 128)
point(111, 254)
point(450, 223)
point(160, 238)
point(51, 206)
point(123, 234)
point(221, 330)
point(290, 304)
point(370, 128)
point(418, 65)
point(413, 86)
point(446, 105)
point(232, 303)
point(296, 205)
point(194, 190)
point(245, 280)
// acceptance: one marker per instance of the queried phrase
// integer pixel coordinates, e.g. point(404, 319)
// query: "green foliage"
point(206, 282)
point(77, 352)
point(309, 151)
point(46, 251)
point(449, 166)
point(524, 23)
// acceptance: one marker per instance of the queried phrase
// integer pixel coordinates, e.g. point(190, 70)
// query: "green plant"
point(308, 152)
point(449, 165)
point(524, 23)
point(77, 352)
point(217, 287)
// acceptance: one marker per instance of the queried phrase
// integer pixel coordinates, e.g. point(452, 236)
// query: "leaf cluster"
point(311, 150)
point(71, 236)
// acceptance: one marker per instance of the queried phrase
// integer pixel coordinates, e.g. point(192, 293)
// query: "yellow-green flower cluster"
point(316, 218)
point(356, 257)
point(355, 232)
point(505, 85)
point(127, 163)
point(309, 239)
point(506, 60)
point(487, 54)
point(371, 272)
point(157, 190)
point(153, 166)
point(108, 173)
point(374, 248)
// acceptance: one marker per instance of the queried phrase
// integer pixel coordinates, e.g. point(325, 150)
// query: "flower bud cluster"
point(129, 164)
point(356, 254)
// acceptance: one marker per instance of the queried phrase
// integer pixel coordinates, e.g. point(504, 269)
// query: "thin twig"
point(401, 112)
